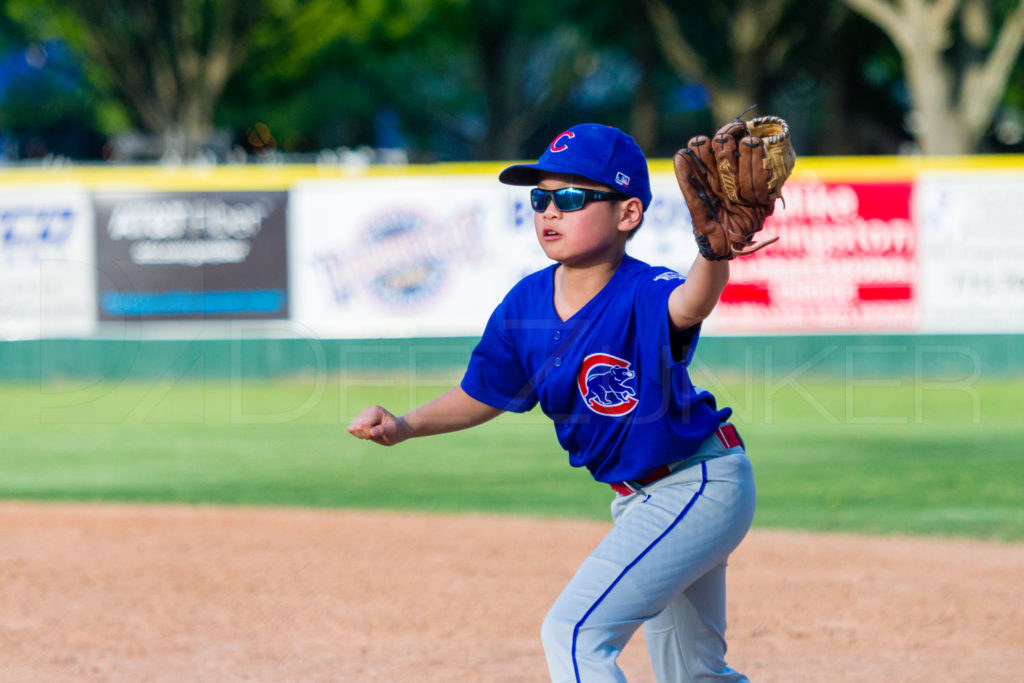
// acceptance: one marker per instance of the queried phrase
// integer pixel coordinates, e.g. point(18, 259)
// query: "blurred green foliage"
point(463, 79)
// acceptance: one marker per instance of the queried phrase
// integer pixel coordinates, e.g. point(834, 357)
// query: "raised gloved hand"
point(730, 183)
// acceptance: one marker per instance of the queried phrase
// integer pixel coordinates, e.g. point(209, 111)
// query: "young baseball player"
point(602, 342)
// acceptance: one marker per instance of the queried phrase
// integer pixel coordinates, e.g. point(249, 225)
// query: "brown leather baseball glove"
point(730, 183)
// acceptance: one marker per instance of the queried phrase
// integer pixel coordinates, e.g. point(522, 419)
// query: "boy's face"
point(593, 234)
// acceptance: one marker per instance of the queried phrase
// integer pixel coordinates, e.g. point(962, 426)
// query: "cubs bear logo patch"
point(607, 384)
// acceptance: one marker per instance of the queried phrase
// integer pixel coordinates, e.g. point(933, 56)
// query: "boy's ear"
point(632, 213)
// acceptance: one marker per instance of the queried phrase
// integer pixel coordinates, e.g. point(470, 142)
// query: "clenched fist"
point(378, 425)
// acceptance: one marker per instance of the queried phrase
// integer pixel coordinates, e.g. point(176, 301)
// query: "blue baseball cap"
point(600, 153)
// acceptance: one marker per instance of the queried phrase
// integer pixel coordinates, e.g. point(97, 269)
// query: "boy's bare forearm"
point(449, 412)
point(693, 301)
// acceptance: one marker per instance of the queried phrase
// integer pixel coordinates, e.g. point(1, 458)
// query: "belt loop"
point(729, 437)
point(623, 488)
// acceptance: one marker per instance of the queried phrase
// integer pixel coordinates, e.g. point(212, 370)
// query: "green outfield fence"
point(963, 357)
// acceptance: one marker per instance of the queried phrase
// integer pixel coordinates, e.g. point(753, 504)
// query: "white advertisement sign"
point(47, 264)
point(431, 256)
point(404, 257)
point(972, 251)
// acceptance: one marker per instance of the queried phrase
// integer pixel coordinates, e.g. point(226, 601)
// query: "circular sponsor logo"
point(410, 274)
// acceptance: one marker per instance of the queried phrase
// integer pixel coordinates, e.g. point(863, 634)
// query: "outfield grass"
point(884, 456)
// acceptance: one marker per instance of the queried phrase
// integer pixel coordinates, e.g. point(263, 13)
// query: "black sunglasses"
point(571, 198)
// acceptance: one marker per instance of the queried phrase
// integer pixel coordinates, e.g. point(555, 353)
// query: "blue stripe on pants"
point(679, 518)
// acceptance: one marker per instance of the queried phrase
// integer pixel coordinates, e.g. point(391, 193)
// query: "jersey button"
point(558, 362)
point(558, 335)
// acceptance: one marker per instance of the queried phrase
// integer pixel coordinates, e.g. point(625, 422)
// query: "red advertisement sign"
point(846, 260)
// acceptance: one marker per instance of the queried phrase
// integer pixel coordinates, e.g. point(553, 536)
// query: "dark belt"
point(726, 434)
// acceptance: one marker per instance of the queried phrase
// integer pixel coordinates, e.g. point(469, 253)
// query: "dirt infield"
point(124, 593)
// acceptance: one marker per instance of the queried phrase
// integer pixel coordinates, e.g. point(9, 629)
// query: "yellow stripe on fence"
point(255, 177)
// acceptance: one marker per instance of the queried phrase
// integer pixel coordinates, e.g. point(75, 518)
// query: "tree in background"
point(488, 79)
point(166, 60)
point(733, 48)
point(956, 63)
point(454, 79)
point(319, 73)
point(526, 65)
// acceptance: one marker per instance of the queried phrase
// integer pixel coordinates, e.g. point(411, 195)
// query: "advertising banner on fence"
point(431, 256)
point(46, 263)
point(846, 261)
point(403, 257)
point(972, 252)
point(191, 255)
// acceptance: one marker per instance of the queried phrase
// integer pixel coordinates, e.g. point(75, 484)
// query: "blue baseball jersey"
point(613, 377)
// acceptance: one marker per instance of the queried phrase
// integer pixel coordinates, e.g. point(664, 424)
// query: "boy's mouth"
point(550, 234)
